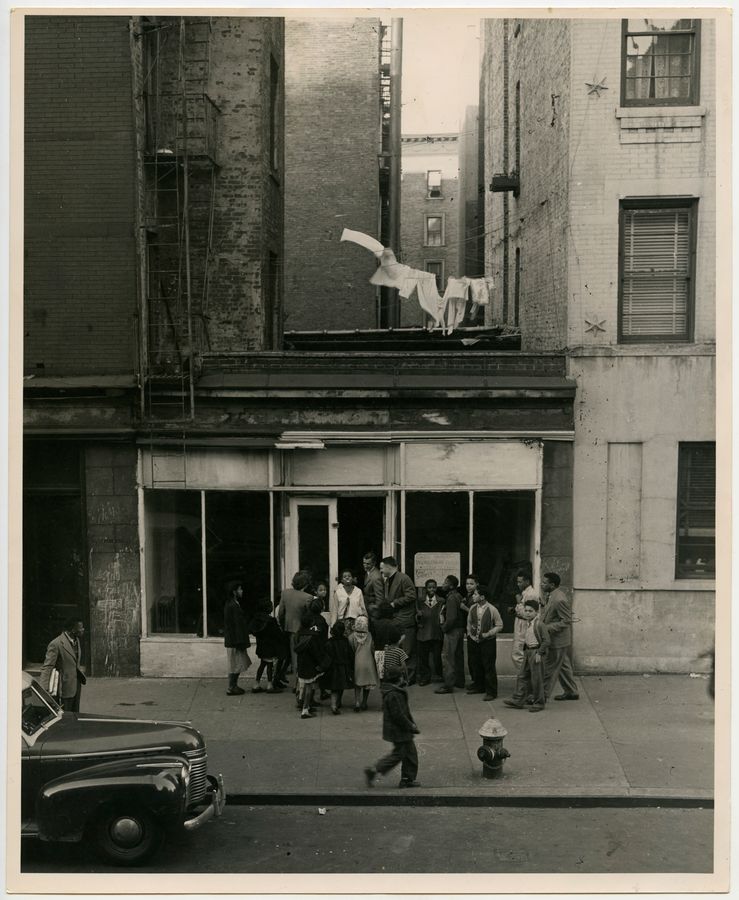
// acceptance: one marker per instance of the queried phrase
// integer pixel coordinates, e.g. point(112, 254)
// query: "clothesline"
point(447, 312)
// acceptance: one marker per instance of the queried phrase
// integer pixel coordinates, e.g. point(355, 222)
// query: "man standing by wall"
point(557, 616)
point(400, 593)
point(64, 654)
point(374, 587)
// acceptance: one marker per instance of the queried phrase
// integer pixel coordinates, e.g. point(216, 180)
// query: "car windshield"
point(39, 708)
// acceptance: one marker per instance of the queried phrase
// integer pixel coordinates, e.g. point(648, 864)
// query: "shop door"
point(314, 539)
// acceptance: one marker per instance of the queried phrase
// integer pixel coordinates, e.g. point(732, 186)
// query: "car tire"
point(126, 835)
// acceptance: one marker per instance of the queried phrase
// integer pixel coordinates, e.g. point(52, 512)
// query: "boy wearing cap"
point(530, 680)
point(398, 728)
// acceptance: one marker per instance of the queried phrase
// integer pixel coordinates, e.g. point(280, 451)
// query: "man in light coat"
point(557, 616)
point(64, 654)
point(293, 602)
point(400, 593)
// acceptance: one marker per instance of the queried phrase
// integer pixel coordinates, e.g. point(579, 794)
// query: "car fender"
point(67, 804)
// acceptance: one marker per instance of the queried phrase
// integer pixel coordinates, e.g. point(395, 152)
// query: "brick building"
point(172, 443)
point(429, 211)
point(471, 244)
point(600, 165)
point(333, 122)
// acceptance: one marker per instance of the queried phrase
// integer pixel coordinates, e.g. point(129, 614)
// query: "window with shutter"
point(657, 250)
point(696, 511)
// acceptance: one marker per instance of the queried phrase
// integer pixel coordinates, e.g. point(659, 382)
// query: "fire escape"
point(180, 177)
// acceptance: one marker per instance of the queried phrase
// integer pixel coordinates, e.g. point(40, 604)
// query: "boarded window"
point(623, 525)
point(696, 511)
point(657, 250)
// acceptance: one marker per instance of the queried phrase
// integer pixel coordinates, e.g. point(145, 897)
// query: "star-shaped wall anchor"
point(595, 86)
point(595, 326)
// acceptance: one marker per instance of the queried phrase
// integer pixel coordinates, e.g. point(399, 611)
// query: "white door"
point(313, 539)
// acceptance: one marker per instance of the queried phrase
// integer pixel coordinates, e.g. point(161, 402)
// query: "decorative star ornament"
point(595, 87)
point(595, 326)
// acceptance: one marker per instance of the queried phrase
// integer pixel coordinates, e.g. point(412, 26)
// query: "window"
point(660, 62)
point(656, 270)
point(433, 183)
point(436, 267)
point(696, 511)
point(434, 236)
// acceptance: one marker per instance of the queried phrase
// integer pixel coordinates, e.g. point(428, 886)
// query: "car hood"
point(89, 735)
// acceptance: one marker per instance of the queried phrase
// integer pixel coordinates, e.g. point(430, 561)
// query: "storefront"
point(209, 516)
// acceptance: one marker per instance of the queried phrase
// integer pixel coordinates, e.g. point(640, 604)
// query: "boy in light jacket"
point(530, 680)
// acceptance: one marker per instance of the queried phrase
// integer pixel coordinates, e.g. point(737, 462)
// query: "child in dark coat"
point(338, 661)
point(398, 727)
point(309, 650)
point(270, 647)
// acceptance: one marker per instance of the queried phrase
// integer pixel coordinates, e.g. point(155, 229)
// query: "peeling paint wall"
point(113, 559)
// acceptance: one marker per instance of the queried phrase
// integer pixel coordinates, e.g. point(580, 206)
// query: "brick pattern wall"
point(249, 194)
point(80, 261)
point(604, 170)
point(113, 559)
point(471, 252)
point(537, 219)
point(332, 123)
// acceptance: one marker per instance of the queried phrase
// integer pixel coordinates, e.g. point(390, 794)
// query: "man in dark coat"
point(398, 728)
point(374, 586)
point(452, 620)
point(64, 654)
point(557, 616)
point(400, 593)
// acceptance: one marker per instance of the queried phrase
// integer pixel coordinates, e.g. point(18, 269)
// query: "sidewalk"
point(629, 736)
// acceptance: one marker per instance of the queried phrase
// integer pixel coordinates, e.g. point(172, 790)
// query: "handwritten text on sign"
point(436, 566)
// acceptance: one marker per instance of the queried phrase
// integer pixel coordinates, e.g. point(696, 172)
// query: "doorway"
point(326, 533)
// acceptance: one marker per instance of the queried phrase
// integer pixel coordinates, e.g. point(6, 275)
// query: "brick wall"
point(113, 559)
point(332, 124)
point(248, 200)
point(80, 262)
point(538, 56)
point(471, 252)
point(556, 511)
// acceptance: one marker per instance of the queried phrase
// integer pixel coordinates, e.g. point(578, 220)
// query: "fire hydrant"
point(492, 753)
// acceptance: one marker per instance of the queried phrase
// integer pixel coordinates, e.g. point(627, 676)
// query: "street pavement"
point(634, 738)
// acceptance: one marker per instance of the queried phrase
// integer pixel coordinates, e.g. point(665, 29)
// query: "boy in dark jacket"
point(452, 620)
point(398, 727)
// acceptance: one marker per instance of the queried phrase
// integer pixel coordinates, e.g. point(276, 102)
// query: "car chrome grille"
point(198, 760)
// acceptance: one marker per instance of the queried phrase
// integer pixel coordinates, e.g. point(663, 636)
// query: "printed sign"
point(436, 566)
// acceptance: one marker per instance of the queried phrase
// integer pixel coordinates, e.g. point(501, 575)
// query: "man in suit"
point(400, 593)
point(293, 602)
point(374, 586)
point(64, 654)
point(557, 616)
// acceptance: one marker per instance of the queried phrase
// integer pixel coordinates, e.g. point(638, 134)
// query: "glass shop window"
point(174, 581)
point(696, 511)
point(237, 549)
point(436, 522)
point(503, 544)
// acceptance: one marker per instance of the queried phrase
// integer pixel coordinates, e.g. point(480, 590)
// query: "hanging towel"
point(480, 291)
point(429, 297)
point(391, 273)
point(364, 240)
point(455, 298)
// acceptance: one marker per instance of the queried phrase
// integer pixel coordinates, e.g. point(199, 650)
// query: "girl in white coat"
point(347, 602)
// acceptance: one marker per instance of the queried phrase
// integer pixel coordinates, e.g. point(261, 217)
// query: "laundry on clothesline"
point(364, 240)
point(446, 312)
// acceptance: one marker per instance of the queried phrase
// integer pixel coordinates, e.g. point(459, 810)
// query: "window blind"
point(656, 272)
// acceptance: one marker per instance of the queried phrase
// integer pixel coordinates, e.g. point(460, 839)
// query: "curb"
point(406, 798)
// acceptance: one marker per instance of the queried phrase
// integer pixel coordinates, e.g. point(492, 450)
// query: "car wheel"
point(126, 836)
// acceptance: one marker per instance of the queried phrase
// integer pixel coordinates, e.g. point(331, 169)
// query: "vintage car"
point(121, 784)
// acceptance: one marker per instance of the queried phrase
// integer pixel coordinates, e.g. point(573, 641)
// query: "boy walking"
point(530, 680)
point(398, 727)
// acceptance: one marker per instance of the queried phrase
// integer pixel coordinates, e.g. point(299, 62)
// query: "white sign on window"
point(436, 566)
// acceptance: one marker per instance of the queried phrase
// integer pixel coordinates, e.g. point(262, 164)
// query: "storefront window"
point(237, 549)
point(436, 522)
point(174, 583)
point(502, 544)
